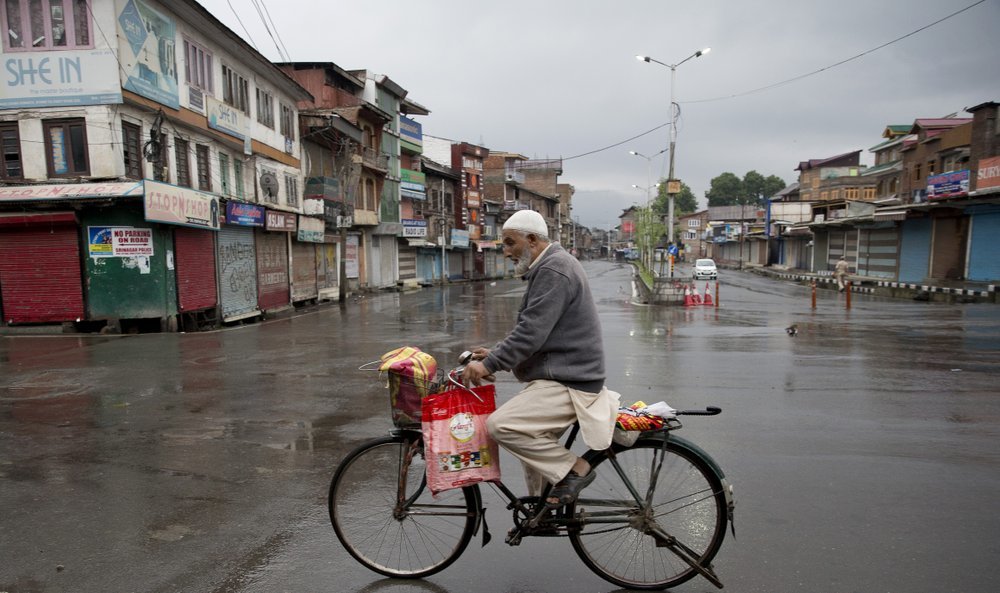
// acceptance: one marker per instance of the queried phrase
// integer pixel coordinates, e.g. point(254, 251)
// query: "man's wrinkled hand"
point(474, 374)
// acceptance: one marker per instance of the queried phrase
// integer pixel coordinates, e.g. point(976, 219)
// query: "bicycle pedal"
point(514, 537)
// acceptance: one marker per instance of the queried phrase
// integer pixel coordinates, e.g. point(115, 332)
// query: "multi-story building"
point(693, 234)
point(413, 243)
point(888, 164)
point(151, 175)
point(443, 262)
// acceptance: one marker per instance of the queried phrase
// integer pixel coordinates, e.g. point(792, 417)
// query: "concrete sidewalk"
point(947, 291)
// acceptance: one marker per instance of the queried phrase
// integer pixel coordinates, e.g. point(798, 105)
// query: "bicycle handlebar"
point(708, 411)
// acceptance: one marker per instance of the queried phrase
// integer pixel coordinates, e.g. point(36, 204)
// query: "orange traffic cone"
point(695, 297)
point(708, 296)
point(688, 301)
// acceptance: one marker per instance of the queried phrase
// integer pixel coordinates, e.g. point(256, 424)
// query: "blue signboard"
point(948, 185)
point(244, 214)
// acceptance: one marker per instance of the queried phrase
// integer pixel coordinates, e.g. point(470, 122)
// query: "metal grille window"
point(183, 162)
point(204, 175)
point(265, 108)
point(132, 150)
point(236, 90)
point(198, 69)
point(224, 173)
point(292, 190)
point(10, 140)
point(287, 122)
point(66, 147)
point(238, 177)
point(33, 25)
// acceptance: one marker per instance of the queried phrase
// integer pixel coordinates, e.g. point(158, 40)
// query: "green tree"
point(726, 189)
point(757, 189)
point(684, 202)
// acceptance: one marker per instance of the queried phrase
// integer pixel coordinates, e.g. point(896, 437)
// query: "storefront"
point(304, 278)
point(273, 290)
point(40, 268)
point(237, 261)
point(41, 277)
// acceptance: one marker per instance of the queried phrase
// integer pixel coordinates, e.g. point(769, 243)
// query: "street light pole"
point(673, 133)
point(649, 204)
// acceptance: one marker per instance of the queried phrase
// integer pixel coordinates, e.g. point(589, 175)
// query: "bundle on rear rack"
point(411, 376)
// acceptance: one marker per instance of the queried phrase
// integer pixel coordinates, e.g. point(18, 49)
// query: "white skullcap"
point(527, 221)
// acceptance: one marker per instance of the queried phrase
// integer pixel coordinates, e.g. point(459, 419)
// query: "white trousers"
point(531, 423)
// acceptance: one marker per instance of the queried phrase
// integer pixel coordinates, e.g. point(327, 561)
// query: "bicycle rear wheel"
point(688, 503)
point(384, 515)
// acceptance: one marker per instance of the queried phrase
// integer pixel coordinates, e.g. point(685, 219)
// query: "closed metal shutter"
point(878, 255)
point(914, 250)
point(455, 270)
point(388, 258)
point(195, 257)
point(984, 262)
point(303, 271)
point(40, 268)
point(948, 255)
point(407, 264)
point(237, 272)
point(272, 270)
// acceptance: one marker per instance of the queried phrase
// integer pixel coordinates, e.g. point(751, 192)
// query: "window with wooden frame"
point(132, 150)
point(10, 141)
point(203, 168)
point(224, 173)
point(291, 190)
point(183, 158)
point(238, 177)
point(198, 67)
point(869, 193)
point(66, 152)
point(235, 90)
point(287, 122)
point(265, 107)
point(33, 25)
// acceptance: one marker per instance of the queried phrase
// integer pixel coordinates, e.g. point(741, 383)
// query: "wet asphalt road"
point(863, 451)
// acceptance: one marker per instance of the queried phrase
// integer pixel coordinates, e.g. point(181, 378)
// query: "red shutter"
point(40, 271)
point(195, 253)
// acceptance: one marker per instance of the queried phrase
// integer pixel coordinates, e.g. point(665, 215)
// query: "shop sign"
point(311, 230)
point(989, 173)
point(411, 132)
point(70, 191)
point(412, 184)
point(179, 205)
point(414, 227)
point(472, 198)
point(242, 214)
point(459, 238)
point(114, 241)
point(280, 221)
point(60, 79)
point(148, 43)
point(948, 185)
point(227, 119)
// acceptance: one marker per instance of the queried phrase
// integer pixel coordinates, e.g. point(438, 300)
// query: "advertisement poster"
point(117, 241)
point(148, 42)
point(351, 256)
point(311, 230)
point(60, 79)
point(948, 185)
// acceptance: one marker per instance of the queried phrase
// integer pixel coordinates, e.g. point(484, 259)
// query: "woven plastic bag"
point(410, 372)
point(459, 449)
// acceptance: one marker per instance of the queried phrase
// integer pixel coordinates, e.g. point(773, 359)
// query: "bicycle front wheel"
point(622, 539)
point(384, 514)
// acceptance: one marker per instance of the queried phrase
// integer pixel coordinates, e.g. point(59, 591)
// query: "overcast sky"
point(559, 78)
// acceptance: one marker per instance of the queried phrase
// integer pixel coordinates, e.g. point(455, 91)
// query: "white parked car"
point(704, 269)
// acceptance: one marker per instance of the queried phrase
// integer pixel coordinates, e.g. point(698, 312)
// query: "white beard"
point(521, 267)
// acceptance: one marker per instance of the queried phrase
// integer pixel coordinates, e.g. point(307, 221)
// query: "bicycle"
point(654, 517)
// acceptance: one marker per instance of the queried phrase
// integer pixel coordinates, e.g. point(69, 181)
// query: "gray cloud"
point(558, 78)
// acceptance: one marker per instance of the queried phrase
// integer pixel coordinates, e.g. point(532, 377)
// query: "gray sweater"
point(558, 333)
